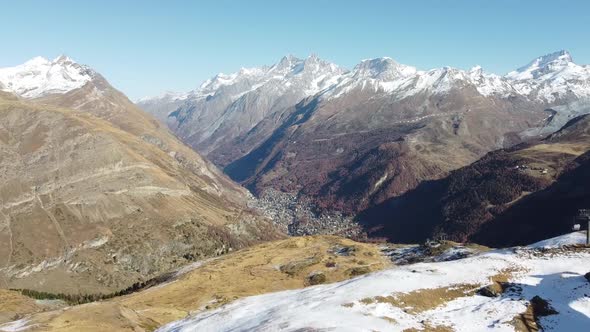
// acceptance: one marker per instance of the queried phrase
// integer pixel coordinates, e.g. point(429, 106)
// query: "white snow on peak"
point(547, 79)
point(39, 77)
point(369, 302)
point(303, 76)
point(490, 84)
point(383, 69)
point(541, 66)
point(552, 77)
point(401, 81)
point(166, 96)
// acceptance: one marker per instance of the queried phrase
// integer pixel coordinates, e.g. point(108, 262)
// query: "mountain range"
point(352, 140)
point(88, 168)
point(102, 202)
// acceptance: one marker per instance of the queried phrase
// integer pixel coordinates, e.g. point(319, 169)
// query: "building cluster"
point(298, 216)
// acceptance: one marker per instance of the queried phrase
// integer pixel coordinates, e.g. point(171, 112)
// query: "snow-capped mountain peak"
point(36, 61)
point(166, 96)
point(476, 71)
point(310, 75)
point(542, 65)
point(552, 77)
point(382, 69)
point(286, 63)
point(385, 75)
point(546, 79)
point(39, 77)
point(559, 56)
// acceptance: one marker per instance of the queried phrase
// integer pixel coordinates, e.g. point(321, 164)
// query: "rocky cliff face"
point(96, 195)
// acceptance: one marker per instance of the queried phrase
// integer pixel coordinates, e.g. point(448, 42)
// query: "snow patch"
point(15, 326)
point(563, 240)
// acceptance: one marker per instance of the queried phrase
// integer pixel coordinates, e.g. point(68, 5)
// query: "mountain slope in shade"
point(90, 184)
point(509, 197)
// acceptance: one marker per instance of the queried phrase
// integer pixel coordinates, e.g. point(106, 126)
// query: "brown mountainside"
point(95, 196)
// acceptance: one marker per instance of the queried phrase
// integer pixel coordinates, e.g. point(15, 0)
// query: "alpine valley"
point(300, 196)
point(349, 147)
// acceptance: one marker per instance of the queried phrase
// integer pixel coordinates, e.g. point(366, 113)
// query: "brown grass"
point(247, 272)
point(13, 305)
point(422, 300)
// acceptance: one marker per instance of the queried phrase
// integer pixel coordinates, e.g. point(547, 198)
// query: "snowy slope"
point(363, 304)
point(39, 77)
point(556, 242)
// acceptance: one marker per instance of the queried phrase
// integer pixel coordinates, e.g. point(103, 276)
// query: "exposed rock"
point(343, 251)
point(430, 251)
point(541, 307)
point(294, 267)
point(316, 278)
point(490, 291)
point(359, 270)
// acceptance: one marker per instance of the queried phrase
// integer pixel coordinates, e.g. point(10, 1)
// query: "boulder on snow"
point(587, 276)
point(493, 290)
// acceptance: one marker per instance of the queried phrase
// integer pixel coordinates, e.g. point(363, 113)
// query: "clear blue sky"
point(145, 47)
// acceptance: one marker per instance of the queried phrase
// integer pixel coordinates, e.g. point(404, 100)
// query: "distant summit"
point(39, 77)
